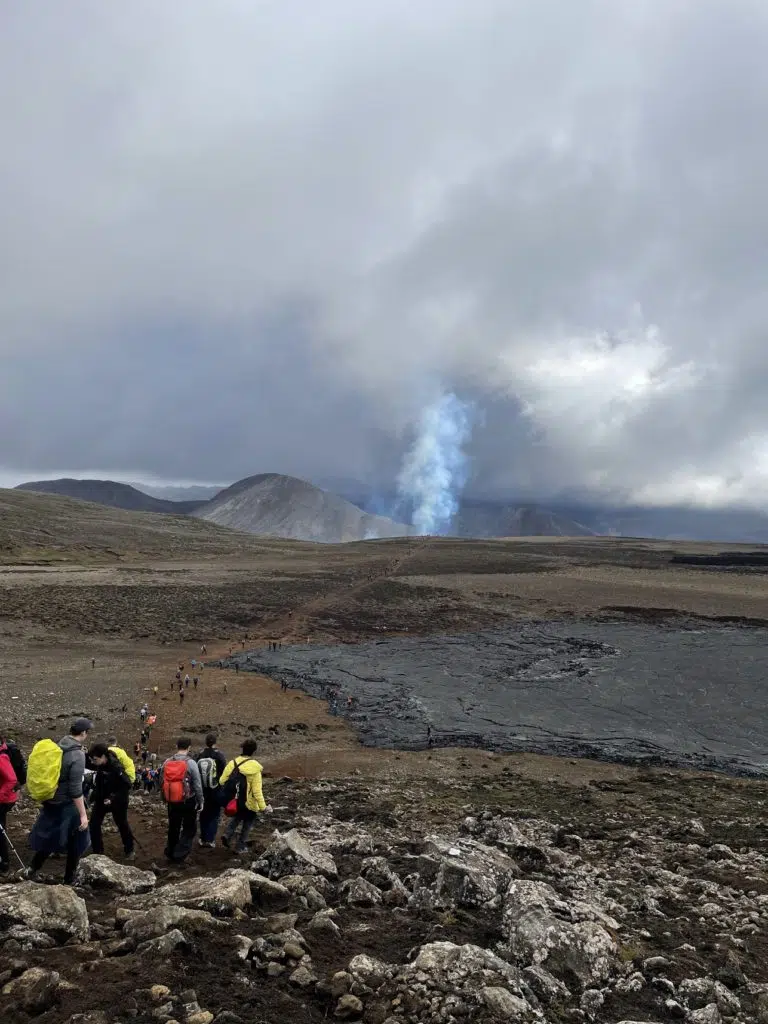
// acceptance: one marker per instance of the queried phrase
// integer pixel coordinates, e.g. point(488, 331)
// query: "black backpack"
point(18, 763)
point(236, 787)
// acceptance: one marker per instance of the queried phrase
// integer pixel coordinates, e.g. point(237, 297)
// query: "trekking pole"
point(8, 840)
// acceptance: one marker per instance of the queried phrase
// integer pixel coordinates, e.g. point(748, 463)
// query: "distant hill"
point(283, 506)
point(111, 494)
point(191, 494)
point(482, 519)
point(51, 528)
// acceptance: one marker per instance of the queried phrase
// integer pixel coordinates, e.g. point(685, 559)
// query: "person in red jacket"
point(9, 786)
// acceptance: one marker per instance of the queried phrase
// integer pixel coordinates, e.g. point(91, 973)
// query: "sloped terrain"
point(42, 527)
point(283, 506)
point(111, 494)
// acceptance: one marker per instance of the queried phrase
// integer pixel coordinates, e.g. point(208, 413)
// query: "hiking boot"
point(225, 841)
point(26, 875)
point(131, 855)
point(208, 846)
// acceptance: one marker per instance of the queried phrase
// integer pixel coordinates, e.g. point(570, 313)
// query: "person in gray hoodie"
point(62, 824)
point(182, 791)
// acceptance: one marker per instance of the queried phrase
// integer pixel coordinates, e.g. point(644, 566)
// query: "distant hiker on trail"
point(178, 677)
point(144, 737)
point(112, 785)
point(211, 764)
point(187, 681)
point(183, 793)
point(242, 794)
point(55, 779)
point(195, 681)
point(225, 687)
point(193, 663)
point(237, 667)
point(13, 774)
point(181, 696)
point(154, 691)
point(144, 756)
point(203, 649)
point(429, 735)
point(144, 712)
point(93, 663)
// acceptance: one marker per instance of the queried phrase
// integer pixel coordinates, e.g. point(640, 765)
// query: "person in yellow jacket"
point(248, 796)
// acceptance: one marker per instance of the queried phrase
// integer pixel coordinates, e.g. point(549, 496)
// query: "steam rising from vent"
point(435, 469)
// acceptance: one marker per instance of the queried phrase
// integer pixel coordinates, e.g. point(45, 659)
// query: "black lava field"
point(629, 693)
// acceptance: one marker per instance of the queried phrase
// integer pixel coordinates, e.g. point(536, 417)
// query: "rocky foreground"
point(366, 909)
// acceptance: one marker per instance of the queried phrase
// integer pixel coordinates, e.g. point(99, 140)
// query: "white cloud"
point(241, 237)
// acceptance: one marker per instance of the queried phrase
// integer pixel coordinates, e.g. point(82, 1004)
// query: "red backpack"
point(175, 783)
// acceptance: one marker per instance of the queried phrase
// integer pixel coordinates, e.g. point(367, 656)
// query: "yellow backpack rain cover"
point(43, 770)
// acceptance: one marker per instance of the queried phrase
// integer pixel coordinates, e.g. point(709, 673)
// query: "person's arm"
point(7, 774)
point(227, 772)
point(256, 789)
point(197, 785)
point(79, 802)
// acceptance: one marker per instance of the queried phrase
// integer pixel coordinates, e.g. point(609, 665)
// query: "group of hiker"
point(68, 778)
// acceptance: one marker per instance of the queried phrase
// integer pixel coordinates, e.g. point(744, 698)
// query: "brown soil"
point(140, 616)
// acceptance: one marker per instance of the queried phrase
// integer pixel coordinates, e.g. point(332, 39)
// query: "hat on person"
point(81, 725)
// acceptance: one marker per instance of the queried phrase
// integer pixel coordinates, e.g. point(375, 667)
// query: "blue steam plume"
point(436, 467)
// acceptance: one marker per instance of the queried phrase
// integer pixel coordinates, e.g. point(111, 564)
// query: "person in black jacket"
point(111, 789)
point(211, 763)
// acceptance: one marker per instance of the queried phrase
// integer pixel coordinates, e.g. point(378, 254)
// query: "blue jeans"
point(209, 821)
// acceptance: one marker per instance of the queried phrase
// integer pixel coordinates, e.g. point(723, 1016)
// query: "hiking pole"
point(8, 840)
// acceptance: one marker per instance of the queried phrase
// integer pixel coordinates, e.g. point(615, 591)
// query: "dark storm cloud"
point(244, 237)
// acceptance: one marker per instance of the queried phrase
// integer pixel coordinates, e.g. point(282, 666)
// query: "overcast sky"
point(239, 237)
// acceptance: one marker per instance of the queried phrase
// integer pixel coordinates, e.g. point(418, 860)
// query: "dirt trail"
point(295, 626)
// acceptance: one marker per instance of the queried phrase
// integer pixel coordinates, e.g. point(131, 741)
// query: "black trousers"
point(4, 861)
point(73, 859)
point(118, 808)
point(182, 829)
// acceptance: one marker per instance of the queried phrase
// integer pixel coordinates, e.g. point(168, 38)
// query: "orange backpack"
point(175, 784)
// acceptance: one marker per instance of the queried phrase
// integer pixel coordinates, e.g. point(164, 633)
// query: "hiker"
point(183, 793)
point(211, 764)
point(241, 792)
point(193, 663)
point(144, 712)
point(153, 758)
point(237, 666)
point(144, 756)
point(154, 691)
point(55, 779)
point(10, 784)
point(178, 678)
point(203, 649)
point(111, 788)
point(187, 681)
point(143, 738)
point(93, 663)
point(195, 681)
point(225, 687)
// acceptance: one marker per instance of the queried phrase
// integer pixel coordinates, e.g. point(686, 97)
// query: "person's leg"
point(175, 812)
point(73, 857)
point(120, 816)
point(245, 831)
point(38, 859)
point(188, 831)
point(229, 832)
point(4, 858)
point(209, 821)
point(97, 817)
